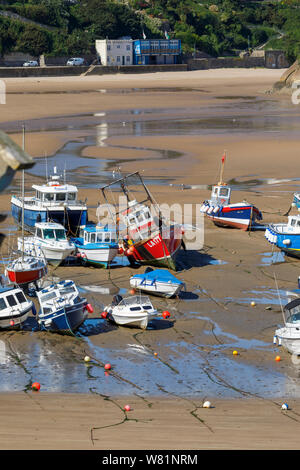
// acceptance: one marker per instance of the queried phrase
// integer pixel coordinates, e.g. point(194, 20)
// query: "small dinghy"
point(25, 270)
point(14, 307)
point(61, 307)
point(136, 311)
point(158, 282)
point(289, 335)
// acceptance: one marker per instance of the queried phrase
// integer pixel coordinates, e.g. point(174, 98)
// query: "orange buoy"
point(132, 291)
point(35, 386)
point(166, 314)
point(277, 358)
point(107, 367)
point(155, 354)
point(104, 314)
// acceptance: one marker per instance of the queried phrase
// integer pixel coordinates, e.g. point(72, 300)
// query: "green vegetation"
point(70, 27)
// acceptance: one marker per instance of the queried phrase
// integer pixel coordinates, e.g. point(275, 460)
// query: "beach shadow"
point(95, 326)
point(193, 259)
point(160, 324)
point(188, 296)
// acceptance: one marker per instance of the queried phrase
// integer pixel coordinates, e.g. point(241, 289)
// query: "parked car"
point(31, 63)
point(75, 61)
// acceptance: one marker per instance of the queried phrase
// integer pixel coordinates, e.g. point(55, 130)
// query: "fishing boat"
point(146, 237)
point(286, 236)
point(14, 307)
point(136, 311)
point(54, 201)
point(61, 307)
point(296, 200)
point(288, 336)
point(97, 245)
point(49, 242)
point(157, 282)
point(218, 208)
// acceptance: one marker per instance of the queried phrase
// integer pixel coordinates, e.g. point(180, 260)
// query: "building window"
point(128, 47)
point(118, 46)
point(108, 47)
point(118, 58)
point(108, 58)
point(128, 58)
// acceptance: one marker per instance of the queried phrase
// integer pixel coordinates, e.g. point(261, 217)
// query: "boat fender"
point(202, 208)
point(274, 339)
point(210, 210)
point(287, 241)
point(279, 341)
point(216, 209)
point(89, 308)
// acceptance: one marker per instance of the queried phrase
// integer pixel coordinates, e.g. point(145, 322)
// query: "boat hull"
point(289, 243)
point(135, 321)
point(18, 317)
point(54, 255)
point(101, 257)
point(159, 250)
point(241, 216)
point(288, 340)
point(66, 319)
point(26, 277)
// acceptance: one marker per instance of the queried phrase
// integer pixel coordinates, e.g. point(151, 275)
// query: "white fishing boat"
point(157, 282)
point(136, 311)
point(61, 307)
point(14, 307)
point(289, 335)
point(49, 242)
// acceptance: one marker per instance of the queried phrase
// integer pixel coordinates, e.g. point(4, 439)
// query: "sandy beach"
point(174, 128)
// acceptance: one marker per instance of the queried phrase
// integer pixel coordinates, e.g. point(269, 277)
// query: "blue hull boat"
point(286, 236)
point(157, 282)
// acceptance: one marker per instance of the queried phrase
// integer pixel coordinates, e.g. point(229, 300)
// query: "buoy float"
point(277, 358)
point(104, 314)
point(206, 404)
point(155, 354)
point(89, 308)
point(132, 291)
point(253, 304)
point(127, 408)
point(12, 323)
point(107, 367)
point(87, 359)
point(166, 314)
point(35, 386)
point(235, 353)
point(284, 406)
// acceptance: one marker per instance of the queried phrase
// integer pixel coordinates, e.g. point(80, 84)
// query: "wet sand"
point(175, 128)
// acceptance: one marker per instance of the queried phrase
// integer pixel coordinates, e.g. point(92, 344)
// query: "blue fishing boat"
point(97, 245)
point(54, 201)
point(286, 236)
point(157, 282)
point(218, 208)
point(61, 307)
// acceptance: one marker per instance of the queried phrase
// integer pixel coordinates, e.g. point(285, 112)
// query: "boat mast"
point(222, 169)
point(23, 192)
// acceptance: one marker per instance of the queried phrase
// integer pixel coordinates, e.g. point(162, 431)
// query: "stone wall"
point(226, 62)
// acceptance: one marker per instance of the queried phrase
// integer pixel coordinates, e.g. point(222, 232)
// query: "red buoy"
point(127, 408)
point(35, 386)
point(132, 291)
point(104, 314)
point(89, 308)
point(166, 314)
point(12, 323)
point(107, 367)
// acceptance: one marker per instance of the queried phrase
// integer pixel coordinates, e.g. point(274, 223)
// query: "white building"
point(115, 51)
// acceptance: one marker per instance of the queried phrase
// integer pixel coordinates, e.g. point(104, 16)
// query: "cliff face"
point(291, 75)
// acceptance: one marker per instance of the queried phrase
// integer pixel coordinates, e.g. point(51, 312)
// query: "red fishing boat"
point(146, 237)
point(26, 269)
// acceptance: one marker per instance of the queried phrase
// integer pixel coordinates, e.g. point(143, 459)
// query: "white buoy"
point(206, 404)
point(285, 406)
point(87, 359)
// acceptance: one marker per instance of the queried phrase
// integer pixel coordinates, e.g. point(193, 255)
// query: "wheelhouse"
point(54, 232)
point(220, 194)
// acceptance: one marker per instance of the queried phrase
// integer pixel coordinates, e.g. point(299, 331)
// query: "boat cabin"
point(50, 231)
point(11, 298)
point(292, 310)
point(99, 235)
point(137, 303)
point(220, 195)
point(56, 295)
point(293, 224)
point(55, 193)
point(137, 218)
